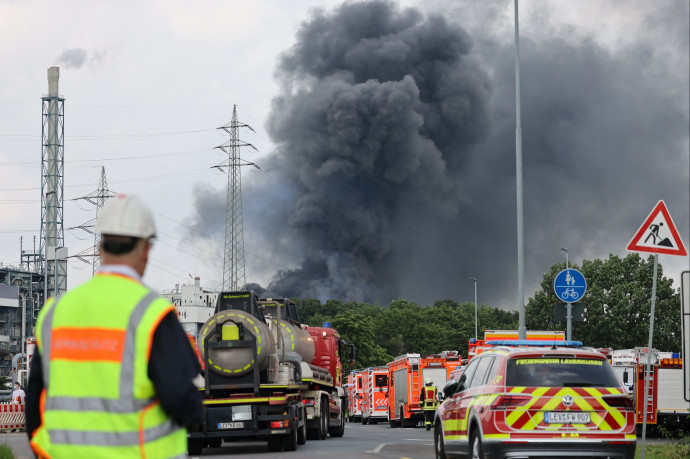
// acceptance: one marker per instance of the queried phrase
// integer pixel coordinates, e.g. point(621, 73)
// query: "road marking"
point(377, 449)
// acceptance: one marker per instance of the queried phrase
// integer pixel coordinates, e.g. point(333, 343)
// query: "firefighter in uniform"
point(429, 402)
point(112, 371)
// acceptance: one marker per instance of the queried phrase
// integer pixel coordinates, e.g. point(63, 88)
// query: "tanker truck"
point(267, 376)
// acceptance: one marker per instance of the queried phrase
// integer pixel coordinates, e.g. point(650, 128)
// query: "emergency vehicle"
point(406, 380)
point(477, 346)
point(438, 367)
point(268, 377)
point(404, 384)
point(666, 404)
point(374, 395)
point(354, 395)
point(520, 400)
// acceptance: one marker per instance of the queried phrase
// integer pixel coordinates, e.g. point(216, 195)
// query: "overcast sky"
point(385, 135)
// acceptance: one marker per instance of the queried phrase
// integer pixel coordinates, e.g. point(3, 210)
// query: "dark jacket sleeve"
point(172, 367)
point(33, 395)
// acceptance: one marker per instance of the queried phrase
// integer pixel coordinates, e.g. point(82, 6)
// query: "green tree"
point(357, 329)
point(617, 305)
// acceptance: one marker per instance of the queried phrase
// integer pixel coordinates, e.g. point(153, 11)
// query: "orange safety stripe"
point(93, 344)
point(34, 446)
point(141, 428)
point(121, 276)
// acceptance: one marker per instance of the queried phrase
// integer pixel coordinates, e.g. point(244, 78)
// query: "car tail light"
point(619, 401)
point(280, 424)
point(504, 401)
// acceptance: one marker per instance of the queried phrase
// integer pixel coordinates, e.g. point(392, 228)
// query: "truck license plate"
point(567, 417)
point(230, 425)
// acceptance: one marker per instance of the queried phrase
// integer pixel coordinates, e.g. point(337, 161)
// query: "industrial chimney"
point(52, 238)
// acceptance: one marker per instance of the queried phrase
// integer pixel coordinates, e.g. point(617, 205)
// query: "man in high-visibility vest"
point(429, 402)
point(112, 372)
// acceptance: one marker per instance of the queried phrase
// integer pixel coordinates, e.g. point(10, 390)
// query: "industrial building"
point(194, 305)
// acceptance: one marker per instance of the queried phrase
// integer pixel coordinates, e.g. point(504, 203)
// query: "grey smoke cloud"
point(394, 171)
point(76, 58)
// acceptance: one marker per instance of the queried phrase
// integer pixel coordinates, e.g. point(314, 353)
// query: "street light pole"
point(475, 306)
point(566, 257)
point(522, 329)
point(568, 307)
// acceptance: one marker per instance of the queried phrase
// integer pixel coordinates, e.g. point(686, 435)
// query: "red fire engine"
point(374, 397)
point(354, 395)
point(404, 384)
point(666, 406)
point(407, 374)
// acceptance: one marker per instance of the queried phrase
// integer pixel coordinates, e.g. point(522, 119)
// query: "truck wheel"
point(392, 422)
point(338, 431)
point(320, 432)
point(325, 411)
point(274, 443)
point(302, 431)
point(195, 445)
point(365, 421)
point(289, 441)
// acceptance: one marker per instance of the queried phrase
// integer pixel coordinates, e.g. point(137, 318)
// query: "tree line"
point(617, 307)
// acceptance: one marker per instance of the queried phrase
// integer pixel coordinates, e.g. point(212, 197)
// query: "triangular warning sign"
point(658, 234)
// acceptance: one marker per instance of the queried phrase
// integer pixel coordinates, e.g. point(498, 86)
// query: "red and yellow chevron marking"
point(530, 416)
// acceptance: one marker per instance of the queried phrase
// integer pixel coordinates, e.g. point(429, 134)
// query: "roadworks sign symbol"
point(658, 234)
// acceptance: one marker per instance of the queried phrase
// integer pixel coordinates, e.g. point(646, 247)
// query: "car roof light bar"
point(518, 342)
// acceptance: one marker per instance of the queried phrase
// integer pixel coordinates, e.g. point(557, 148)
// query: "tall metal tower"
point(233, 258)
point(52, 240)
point(97, 198)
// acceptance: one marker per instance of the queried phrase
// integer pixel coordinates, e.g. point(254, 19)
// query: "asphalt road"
point(359, 441)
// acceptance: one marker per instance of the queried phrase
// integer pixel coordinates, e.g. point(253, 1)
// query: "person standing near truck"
point(429, 402)
point(112, 371)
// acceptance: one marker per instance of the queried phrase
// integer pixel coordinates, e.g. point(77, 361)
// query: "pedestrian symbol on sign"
point(570, 285)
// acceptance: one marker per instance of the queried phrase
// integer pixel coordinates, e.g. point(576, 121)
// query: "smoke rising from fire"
point(393, 174)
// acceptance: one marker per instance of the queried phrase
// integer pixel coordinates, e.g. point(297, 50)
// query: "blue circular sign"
point(570, 285)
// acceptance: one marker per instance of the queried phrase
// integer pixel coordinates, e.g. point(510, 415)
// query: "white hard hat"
point(427, 381)
point(126, 215)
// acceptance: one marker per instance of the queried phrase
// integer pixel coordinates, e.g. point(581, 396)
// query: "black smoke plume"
point(379, 112)
point(394, 169)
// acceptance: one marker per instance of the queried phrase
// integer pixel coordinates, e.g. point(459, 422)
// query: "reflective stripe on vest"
point(429, 397)
point(74, 426)
point(126, 403)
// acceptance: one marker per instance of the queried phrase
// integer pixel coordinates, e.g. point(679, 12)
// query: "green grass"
point(668, 451)
point(6, 451)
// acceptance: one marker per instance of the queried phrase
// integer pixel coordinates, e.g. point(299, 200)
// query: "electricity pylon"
point(233, 255)
point(97, 198)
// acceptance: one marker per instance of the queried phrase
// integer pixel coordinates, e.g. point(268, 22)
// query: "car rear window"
point(560, 371)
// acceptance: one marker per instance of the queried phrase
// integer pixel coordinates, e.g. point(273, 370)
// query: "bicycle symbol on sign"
point(570, 293)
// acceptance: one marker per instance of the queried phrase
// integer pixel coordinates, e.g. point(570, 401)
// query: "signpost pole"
point(649, 356)
point(568, 307)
